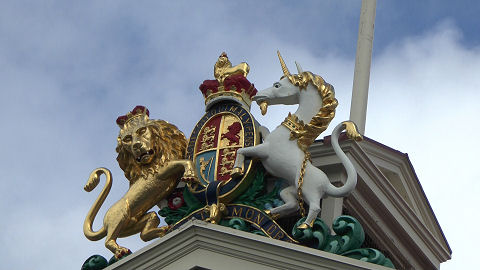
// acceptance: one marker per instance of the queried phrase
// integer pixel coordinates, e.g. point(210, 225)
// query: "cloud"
point(424, 101)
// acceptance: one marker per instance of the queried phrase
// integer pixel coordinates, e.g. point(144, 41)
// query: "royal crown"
point(137, 115)
point(230, 84)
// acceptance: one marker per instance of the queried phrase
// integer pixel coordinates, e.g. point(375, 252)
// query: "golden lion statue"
point(150, 153)
point(223, 68)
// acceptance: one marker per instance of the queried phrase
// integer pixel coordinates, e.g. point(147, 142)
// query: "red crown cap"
point(235, 86)
point(138, 110)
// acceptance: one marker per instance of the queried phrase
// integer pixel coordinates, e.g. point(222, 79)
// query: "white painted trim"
point(386, 216)
point(215, 247)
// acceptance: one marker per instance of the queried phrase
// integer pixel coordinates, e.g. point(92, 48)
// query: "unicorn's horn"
point(299, 68)
point(284, 67)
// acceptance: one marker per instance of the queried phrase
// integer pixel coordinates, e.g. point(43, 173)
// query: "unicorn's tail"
point(351, 182)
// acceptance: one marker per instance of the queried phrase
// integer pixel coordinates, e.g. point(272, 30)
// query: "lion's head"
point(143, 145)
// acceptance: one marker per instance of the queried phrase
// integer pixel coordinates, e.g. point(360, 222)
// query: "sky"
point(68, 69)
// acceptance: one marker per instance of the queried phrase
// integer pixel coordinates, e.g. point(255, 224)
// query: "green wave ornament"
point(238, 224)
point(98, 262)
point(315, 237)
point(349, 236)
point(95, 262)
point(347, 241)
point(369, 255)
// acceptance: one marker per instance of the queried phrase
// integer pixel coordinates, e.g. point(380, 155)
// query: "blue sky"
point(69, 68)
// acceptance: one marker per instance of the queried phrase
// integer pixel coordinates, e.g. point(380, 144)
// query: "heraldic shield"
point(226, 127)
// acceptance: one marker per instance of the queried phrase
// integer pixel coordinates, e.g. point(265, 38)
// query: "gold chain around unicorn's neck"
point(297, 129)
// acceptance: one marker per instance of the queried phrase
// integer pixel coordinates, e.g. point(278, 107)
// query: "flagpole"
point(363, 59)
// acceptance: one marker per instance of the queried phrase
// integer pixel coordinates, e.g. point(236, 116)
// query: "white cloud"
point(424, 101)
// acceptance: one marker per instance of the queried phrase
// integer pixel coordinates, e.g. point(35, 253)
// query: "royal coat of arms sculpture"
point(232, 171)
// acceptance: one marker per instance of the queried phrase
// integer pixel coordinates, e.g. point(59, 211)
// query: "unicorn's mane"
point(322, 119)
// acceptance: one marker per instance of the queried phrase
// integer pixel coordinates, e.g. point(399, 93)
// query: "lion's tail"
point(92, 182)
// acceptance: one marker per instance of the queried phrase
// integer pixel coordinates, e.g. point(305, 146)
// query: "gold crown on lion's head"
point(139, 112)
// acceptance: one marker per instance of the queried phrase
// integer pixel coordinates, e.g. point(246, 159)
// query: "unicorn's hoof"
point(352, 131)
point(237, 172)
point(303, 226)
point(272, 216)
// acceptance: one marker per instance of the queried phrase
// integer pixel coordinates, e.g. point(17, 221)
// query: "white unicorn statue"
point(284, 153)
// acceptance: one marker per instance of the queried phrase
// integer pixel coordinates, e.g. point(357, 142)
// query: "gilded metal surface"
point(149, 153)
point(207, 138)
point(230, 132)
point(217, 211)
point(205, 167)
point(286, 73)
point(295, 126)
point(352, 131)
point(237, 172)
point(322, 119)
point(273, 216)
point(242, 97)
point(263, 107)
point(241, 90)
point(223, 68)
point(300, 184)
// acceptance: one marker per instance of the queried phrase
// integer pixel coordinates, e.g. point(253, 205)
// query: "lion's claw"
point(192, 179)
point(189, 174)
point(122, 252)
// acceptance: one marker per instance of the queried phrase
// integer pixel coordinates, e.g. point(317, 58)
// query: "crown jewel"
point(230, 84)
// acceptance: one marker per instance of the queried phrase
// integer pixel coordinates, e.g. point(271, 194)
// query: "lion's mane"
point(169, 144)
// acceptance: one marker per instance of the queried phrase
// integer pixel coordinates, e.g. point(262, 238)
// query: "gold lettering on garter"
point(237, 211)
point(271, 229)
point(249, 214)
point(279, 235)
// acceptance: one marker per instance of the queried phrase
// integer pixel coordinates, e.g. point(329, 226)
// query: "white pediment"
point(199, 245)
point(388, 201)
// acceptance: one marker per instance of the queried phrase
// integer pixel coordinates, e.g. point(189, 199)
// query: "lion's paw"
point(122, 252)
point(189, 176)
point(164, 230)
point(191, 179)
